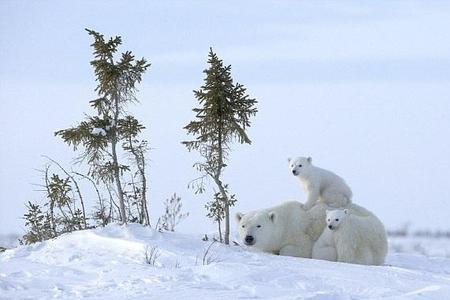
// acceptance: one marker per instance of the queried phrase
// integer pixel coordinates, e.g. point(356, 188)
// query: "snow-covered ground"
point(109, 263)
point(9, 240)
point(428, 246)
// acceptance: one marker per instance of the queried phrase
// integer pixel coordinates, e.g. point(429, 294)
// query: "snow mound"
point(109, 263)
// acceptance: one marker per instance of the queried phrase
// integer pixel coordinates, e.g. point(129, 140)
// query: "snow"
point(98, 131)
point(437, 247)
point(9, 240)
point(109, 263)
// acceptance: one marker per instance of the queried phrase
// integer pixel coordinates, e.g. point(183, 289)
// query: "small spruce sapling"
point(222, 117)
point(38, 223)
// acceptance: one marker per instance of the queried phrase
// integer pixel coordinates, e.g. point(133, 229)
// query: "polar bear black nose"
point(329, 226)
point(249, 240)
point(294, 172)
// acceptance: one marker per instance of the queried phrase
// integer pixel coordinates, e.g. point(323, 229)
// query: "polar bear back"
point(317, 214)
point(332, 186)
point(331, 180)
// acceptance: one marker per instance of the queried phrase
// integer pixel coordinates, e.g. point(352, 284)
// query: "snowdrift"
point(109, 263)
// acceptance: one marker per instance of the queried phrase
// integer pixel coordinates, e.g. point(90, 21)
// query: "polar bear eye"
point(328, 220)
point(337, 220)
point(299, 166)
point(259, 226)
point(243, 226)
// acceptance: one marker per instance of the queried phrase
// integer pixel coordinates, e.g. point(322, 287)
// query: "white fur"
point(320, 184)
point(324, 248)
point(283, 229)
point(358, 239)
point(288, 229)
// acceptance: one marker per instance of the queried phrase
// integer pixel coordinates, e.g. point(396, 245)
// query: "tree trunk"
point(81, 199)
point(227, 209)
point(136, 198)
point(113, 207)
point(144, 190)
point(140, 163)
point(227, 222)
point(227, 214)
point(100, 201)
point(123, 214)
point(144, 198)
point(221, 188)
point(52, 204)
point(220, 231)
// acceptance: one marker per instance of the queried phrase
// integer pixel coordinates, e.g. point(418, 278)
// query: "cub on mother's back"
point(320, 184)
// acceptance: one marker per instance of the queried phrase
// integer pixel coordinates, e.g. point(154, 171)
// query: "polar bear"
point(320, 184)
point(287, 229)
point(283, 229)
point(358, 239)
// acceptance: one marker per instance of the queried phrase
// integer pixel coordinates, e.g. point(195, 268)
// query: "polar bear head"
point(300, 166)
point(335, 218)
point(258, 229)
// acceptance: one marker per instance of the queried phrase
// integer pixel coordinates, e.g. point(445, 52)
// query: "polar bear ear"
point(239, 216)
point(272, 216)
point(346, 211)
point(309, 159)
point(289, 159)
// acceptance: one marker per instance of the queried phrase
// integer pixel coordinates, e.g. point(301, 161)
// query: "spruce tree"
point(38, 224)
point(222, 118)
point(100, 135)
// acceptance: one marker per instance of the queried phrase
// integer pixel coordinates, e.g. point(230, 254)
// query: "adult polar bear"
point(288, 229)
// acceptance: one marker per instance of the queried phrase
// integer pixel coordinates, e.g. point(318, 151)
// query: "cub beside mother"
point(291, 230)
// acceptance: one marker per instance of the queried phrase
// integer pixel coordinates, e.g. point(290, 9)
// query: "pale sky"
point(361, 86)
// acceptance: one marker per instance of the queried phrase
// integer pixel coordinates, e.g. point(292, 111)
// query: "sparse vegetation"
point(151, 254)
point(208, 257)
point(39, 225)
point(173, 214)
point(405, 231)
point(61, 210)
point(104, 137)
point(177, 264)
point(100, 135)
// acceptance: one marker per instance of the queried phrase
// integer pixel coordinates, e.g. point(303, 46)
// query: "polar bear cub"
point(358, 240)
point(320, 184)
